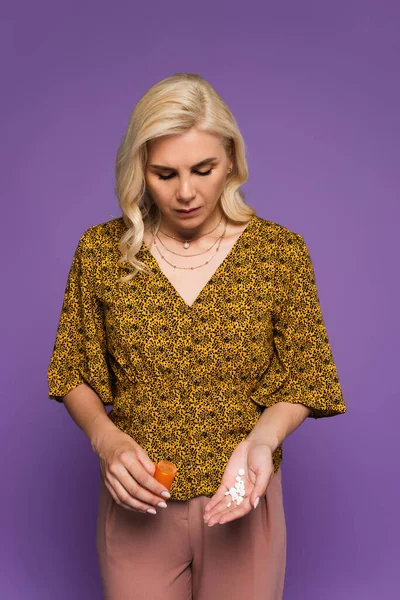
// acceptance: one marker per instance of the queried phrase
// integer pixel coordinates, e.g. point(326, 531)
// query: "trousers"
point(174, 555)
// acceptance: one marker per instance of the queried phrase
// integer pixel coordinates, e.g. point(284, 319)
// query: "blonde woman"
point(199, 322)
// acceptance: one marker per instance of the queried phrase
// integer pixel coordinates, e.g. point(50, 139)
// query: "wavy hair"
point(171, 107)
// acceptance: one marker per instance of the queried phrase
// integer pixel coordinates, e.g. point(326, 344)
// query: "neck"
point(189, 233)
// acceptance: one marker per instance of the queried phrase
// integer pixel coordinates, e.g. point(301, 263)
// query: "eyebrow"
point(199, 164)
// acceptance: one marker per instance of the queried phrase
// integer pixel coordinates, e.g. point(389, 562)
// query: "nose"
point(185, 190)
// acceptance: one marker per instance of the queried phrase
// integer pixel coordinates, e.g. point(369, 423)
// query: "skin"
point(189, 185)
point(186, 187)
point(254, 454)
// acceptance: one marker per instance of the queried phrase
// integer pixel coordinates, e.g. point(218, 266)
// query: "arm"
point(277, 422)
point(89, 413)
point(79, 375)
point(254, 454)
point(302, 368)
point(126, 468)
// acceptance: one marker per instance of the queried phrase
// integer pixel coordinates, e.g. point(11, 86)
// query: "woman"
point(190, 315)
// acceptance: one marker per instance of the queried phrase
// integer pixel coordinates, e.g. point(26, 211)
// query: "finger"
point(131, 482)
point(216, 510)
point(216, 514)
point(221, 500)
point(217, 498)
point(234, 511)
point(226, 504)
point(124, 497)
point(135, 490)
point(262, 482)
point(155, 490)
point(118, 501)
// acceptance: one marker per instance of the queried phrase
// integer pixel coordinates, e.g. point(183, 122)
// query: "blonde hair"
point(171, 107)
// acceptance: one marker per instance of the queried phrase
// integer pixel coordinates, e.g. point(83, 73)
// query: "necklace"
point(186, 242)
point(183, 255)
point(192, 268)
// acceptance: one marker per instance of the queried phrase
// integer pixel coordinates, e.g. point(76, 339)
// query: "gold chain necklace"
point(186, 242)
point(192, 268)
point(183, 255)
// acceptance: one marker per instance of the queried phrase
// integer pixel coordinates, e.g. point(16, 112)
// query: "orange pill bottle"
point(165, 473)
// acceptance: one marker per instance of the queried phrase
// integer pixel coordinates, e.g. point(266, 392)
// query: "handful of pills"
point(237, 492)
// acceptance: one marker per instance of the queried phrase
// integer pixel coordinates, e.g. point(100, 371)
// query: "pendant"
point(186, 245)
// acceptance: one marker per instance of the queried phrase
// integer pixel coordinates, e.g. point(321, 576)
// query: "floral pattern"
point(188, 383)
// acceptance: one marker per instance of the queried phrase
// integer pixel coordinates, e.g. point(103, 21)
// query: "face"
point(187, 171)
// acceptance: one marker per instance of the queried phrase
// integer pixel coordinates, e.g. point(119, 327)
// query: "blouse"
point(188, 383)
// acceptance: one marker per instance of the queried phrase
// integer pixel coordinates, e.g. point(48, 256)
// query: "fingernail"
point(256, 502)
point(166, 494)
point(152, 511)
point(162, 504)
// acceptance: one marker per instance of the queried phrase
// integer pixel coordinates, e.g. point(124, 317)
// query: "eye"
point(202, 174)
point(166, 177)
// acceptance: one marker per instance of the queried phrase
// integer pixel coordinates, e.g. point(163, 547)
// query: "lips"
point(188, 211)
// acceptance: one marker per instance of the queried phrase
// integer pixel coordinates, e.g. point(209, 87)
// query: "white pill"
point(241, 472)
point(229, 503)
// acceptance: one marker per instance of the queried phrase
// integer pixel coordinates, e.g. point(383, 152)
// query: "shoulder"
point(98, 246)
point(277, 244)
point(269, 232)
point(286, 250)
point(102, 233)
point(98, 240)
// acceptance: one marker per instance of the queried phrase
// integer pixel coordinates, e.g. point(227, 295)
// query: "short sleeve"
point(302, 369)
point(80, 349)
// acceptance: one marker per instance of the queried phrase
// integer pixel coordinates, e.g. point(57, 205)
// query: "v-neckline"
point(213, 277)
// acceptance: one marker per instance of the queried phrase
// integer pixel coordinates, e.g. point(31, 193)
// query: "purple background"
point(315, 88)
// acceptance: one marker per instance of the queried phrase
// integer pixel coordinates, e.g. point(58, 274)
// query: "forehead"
point(186, 148)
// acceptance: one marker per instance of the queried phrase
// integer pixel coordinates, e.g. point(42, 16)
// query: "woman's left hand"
point(255, 457)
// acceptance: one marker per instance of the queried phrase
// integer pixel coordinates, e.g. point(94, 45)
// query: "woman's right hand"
point(128, 472)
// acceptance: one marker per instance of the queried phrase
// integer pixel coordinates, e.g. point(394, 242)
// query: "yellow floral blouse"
point(188, 383)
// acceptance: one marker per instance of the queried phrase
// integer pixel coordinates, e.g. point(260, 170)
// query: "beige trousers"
point(174, 555)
